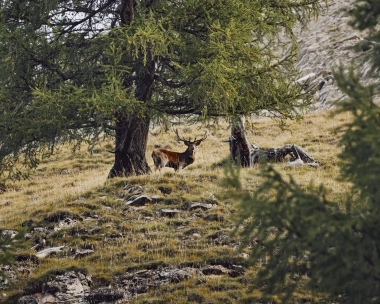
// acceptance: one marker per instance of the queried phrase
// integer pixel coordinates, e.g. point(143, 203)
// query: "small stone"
point(169, 212)
point(200, 206)
point(82, 253)
point(139, 201)
point(165, 190)
point(215, 270)
point(156, 198)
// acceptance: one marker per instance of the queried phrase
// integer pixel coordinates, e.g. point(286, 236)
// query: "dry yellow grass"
point(55, 182)
point(73, 183)
point(67, 177)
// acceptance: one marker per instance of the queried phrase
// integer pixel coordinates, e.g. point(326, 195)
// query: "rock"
point(65, 172)
point(41, 229)
point(165, 190)
point(9, 233)
point(104, 295)
point(88, 215)
point(139, 201)
point(214, 218)
point(326, 43)
point(68, 287)
point(144, 280)
point(3, 188)
point(195, 297)
point(169, 212)
point(83, 252)
point(65, 223)
point(215, 270)
point(236, 271)
point(95, 230)
point(60, 215)
point(191, 231)
point(200, 206)
point(46, 252)
point(29, 300)
point(136, 190)
point(306, 79)
point(156, 199)
point(220, 238)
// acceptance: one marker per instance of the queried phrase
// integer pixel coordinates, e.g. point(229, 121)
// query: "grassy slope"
point(139, 238)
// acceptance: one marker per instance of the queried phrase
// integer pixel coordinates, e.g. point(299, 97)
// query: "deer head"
point(189, 143)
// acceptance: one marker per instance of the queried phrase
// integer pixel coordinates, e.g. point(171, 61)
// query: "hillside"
point(167, 237)
point(127, 239)
point(329, 42)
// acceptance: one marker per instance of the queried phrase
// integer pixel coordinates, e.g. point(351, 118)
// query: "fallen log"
point(297, 156)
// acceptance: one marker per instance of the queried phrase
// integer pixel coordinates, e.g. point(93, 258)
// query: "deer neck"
point(189, 156)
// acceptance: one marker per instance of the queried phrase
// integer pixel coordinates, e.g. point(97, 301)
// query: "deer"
point(177, 160)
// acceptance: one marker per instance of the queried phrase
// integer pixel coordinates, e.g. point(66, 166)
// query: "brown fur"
point(176, 160)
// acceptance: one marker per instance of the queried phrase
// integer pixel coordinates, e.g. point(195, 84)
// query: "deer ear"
point(197, 143)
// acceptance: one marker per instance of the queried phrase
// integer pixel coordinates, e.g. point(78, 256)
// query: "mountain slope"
point(329, 42)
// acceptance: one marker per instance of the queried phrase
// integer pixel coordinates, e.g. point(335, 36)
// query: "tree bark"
point(239, 147)
point(132, 131)
point(131, 143)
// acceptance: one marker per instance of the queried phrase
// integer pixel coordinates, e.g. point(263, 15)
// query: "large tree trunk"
point(132, 129)
point(131, 142)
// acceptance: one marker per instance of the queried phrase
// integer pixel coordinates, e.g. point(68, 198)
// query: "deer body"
point(165, 158)
point(176, 160)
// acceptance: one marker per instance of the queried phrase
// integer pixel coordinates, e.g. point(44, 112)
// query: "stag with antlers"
point(177, 160)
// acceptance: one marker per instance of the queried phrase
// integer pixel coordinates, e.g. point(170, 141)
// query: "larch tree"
point(326, 249)
point(73, 70)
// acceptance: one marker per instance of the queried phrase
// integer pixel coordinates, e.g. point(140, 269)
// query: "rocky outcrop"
point(69, 287)
point(76, 286)
point(327, 43)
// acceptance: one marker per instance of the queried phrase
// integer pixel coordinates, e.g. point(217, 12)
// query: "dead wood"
point(240, 150)
point(245, 154)
point(287, 152)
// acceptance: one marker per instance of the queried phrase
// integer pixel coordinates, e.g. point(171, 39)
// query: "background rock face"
point(70, 287)
point(327, 43)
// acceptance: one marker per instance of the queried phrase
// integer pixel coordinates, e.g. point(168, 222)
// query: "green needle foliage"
point(301, 240)
point(73, 71)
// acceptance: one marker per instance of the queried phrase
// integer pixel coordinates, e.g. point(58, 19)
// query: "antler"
point(202, 139)
point(188, 141)
point(179, 138)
